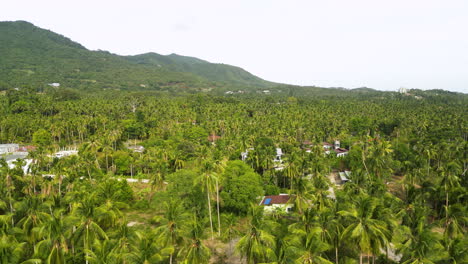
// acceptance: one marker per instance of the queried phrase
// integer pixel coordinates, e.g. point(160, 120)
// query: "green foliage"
point(42, 138)
point(241, 187)
point(407, 195)
point(31, 55)
point(182, 186)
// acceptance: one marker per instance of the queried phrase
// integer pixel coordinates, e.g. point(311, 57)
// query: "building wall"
point(283, 207)
point(8, 148)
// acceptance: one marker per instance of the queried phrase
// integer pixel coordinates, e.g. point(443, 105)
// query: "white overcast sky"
point(347, 43)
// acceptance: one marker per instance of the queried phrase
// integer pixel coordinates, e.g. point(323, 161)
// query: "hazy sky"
point(374, 43)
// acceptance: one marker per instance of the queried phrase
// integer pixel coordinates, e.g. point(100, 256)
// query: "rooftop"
point(275, 199)
point(340, 150)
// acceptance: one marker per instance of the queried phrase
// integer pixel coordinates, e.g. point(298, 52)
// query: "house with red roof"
point(282, 202)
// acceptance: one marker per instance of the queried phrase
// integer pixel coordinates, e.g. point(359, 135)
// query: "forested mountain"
point(30, 55)
point(214, 72)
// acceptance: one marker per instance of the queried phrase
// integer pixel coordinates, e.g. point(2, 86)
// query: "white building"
point(137, 148)
point(341, 152)
point(8, 148)
point(65, 153)
point(279, 154)
point(245, 154)
point(277, 159)
point(337, 144)
point(13, 158)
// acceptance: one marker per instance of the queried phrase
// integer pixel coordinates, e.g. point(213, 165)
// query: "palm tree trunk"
point(386, 253)
point(446, 206)
point(209, 209)
point(60, 185)
point(360, 258)
point(217, 205)
point(336, 255)
point(11, 211)
point(85, 244)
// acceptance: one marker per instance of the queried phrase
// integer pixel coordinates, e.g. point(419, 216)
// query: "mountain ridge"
point(32, 55)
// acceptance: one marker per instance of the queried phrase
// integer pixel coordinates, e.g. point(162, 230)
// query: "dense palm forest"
point(162, 165)
point(197, 202)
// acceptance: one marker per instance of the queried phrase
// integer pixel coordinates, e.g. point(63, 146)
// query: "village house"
point(27, 148)
point(282, 202)
point(12, 159)
point(136, 148)
point(341, 152)
point(65, 153)
point(327, 148)
point(279, 154)
point(244, 155)
point(277, 159)
point(8, 148)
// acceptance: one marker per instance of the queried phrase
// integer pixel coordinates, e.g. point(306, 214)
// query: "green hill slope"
point(212, 71)
point(30, 55)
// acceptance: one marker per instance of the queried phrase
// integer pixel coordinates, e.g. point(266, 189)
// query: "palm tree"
point(195, 251)
point(456, 249)
point(146, 249)
point(369, 233)
point(88, 230)
point(12, 251)
point(455, 221)
point(207, 180)
point(332, 228)
point(257, 245)
point(55, 243)
point(422, 246)
point(9, 186)
point(34, 216)
point(303, 194)
point(308, 246)
point(171, 228)
point(449, 181)
point(230, 226)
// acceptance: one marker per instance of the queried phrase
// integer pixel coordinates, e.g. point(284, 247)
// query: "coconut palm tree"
point(170, 232)
point(331, 228)
point(449, 181)
point(88, 230)
point(11, 251)
point(54, 232)
point(422, 246)
point(194, 250)
point(257, 245)
point(309, 246)
point(34, 216)
point(8, 185)
point(369, 233)
point(207, 181)
point(146, 249)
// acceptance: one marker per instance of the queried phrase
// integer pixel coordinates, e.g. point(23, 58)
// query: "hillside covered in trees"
point(173, 172)
point(34, 56)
